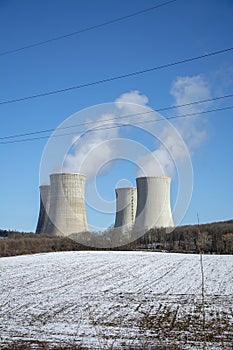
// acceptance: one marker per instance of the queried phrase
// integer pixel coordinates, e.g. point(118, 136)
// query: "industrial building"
point(67, 214)
point(153, 203)
point(126, 204)
point(44, 209)
point(63, 213)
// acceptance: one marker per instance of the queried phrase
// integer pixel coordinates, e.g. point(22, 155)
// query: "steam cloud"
point(191, 128)
point(90, 151)
point(87, 156)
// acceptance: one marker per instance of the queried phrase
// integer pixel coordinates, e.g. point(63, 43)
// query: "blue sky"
point(183, 29)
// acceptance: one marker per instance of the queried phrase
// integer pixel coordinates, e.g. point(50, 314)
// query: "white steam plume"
point(91, 151)
point(82, 146)
point(191, 128)
point(186, 90)
point(169, 148)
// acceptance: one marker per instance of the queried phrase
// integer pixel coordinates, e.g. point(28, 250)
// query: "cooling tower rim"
point(67, 174)
point(43, 186)
point(125, 188)
point(154, 177)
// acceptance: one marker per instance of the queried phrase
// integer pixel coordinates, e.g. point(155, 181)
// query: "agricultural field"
point(116, 300)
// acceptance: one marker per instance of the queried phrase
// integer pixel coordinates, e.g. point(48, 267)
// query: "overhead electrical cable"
point(120, 125)
point(121, 117)
point(100, 25)
point(118, 77)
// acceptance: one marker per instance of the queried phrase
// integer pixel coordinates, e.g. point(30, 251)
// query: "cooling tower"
point(126, 203)
point(153, 203)
point(44, 209)
point(67, 209)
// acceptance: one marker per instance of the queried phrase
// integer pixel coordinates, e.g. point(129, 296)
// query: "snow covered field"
point(116, 300)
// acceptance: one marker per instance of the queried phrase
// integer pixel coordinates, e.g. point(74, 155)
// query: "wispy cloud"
point(189, 89)
point(135, 98)
point(172, 149)
point(91, 151)
point(186, 90)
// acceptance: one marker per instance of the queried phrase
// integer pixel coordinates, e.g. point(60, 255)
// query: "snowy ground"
point(116, 300)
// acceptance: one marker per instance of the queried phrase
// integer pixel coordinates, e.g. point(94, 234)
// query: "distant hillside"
point(210, 238)
point(18, 243)
point(216, 237)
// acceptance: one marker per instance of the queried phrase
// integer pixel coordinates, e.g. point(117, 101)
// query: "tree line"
point(207, 238)
point(214, 238)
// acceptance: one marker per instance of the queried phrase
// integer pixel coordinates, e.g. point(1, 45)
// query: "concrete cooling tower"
point(126, 203)
point(67, 208)
point(153, 203)
point(44, 209)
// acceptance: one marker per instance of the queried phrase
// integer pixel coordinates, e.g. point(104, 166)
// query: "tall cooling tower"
point(44, 209)
point(126, 203)
point(67, 208)
point(153, 203)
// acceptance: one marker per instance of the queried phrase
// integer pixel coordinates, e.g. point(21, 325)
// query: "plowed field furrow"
point(114, 300)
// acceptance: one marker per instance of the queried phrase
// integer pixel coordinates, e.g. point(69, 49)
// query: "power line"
point(118, 77)
point(122, 117)
point(40, 43)
point(122, 125)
